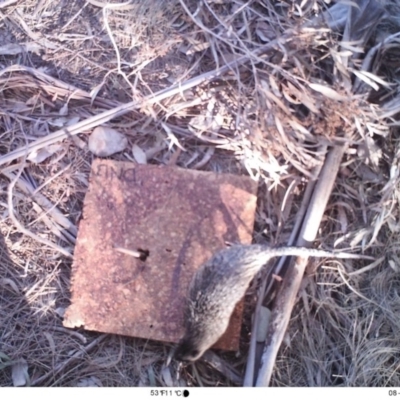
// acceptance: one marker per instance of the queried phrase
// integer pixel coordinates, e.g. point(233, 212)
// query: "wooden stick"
point(266, 285)
point(287, 296)
point(323, 190)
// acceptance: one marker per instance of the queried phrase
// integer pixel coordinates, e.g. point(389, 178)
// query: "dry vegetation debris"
point(259, 88)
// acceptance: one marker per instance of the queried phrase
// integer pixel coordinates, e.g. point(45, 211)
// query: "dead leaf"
point(153, 151)
point(375, 152)
point(9, 282)
point(95, 91)
point(303, 97)
point(64, 110)
point(265, 315)
point(20, 106)
point(393, 224)
point(394, 266)
point(60, 311)
point(4, 357)
point(19, 372)
point(361, 235)
point(151, 376)
point(14, 48)
point(167, 377)
point(300, 128)
point(79, 142)
point(195, 45)
point(327, 92)
point(287, 339)
point(38, 156)
point(143, 381)
point(275, 99)
point(92, 381)
point(264, 31)
point(139, 155)
point(73, 121)
point(368, 175)
point(196, 48)
point(58, 122)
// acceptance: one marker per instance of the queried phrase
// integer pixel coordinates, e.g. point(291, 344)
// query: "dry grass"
point(289, 91)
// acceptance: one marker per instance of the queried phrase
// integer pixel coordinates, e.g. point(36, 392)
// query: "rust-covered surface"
point(181, 217)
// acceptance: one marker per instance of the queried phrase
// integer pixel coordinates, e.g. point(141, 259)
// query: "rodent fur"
point(219, 284)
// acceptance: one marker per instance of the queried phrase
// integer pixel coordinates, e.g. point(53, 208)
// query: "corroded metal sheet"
point(180, 217)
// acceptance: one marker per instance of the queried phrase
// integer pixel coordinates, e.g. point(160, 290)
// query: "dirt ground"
point(258, 88)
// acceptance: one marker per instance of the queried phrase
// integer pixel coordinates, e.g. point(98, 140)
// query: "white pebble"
point(104, 141)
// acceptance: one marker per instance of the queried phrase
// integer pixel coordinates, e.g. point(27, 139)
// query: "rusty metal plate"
point(180, 217)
